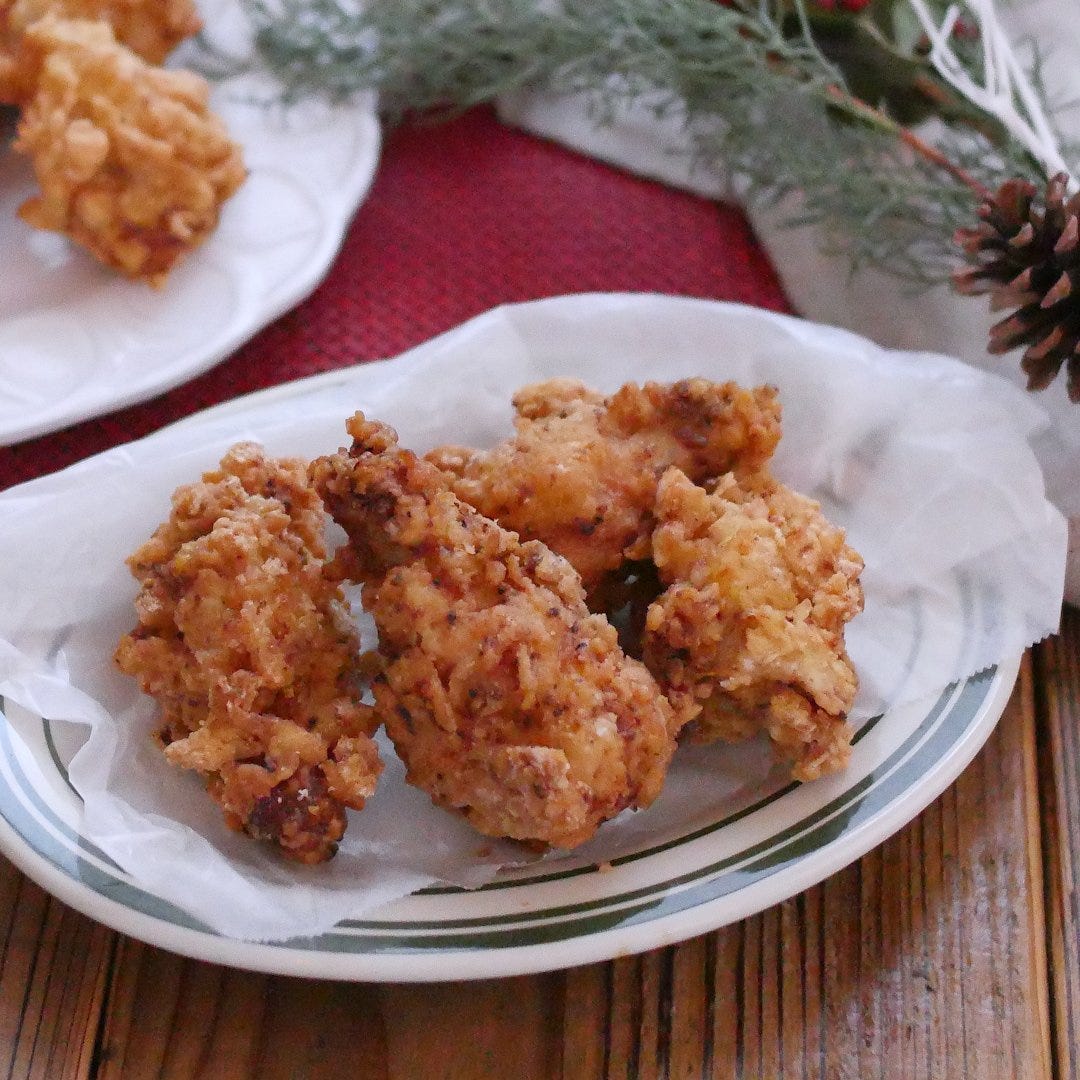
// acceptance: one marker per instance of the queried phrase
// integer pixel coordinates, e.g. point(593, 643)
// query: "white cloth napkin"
point(822, 288)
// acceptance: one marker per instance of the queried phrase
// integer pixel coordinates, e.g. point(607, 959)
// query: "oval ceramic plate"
point(76, 340)
point(729, 836)
point(718, 870)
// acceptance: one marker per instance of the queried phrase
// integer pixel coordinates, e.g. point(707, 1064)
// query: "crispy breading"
point(131, 163)
point(150, 28)
point(580, 473)
point(749, 633)
point(248, 647)
point(506, 699)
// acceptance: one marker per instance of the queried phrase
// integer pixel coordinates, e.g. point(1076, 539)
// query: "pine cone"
point(1028, 257)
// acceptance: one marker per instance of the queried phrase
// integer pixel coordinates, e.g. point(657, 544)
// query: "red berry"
point(965, 31)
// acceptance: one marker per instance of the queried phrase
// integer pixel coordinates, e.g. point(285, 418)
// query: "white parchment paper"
point(925, 461)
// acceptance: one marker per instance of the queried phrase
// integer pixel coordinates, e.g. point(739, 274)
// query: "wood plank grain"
point(53, 968)
point(467, 1031)
point(925, 959)
point(586, 1035)
point(1057, 665)
point(689, 1008)
point(175, 1019)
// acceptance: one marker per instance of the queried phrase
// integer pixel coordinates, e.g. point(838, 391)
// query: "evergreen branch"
point(929, 153)
point(763, 103)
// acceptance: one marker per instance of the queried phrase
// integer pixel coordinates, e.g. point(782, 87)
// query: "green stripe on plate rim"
point(75, 840)
point(816, 822)
point(644, 853)
point(863, 800)
point(669, 898)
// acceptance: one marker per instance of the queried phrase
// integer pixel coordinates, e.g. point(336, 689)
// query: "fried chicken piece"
point(580, 473)
point(132, 164)
point(750, 632)
point(248, 648)
point(150, 28)
point(506, 699)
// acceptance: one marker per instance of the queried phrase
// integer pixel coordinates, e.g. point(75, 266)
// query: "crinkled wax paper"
point(926, 463)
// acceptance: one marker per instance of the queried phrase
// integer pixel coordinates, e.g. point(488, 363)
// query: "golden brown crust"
point(150, 28)
point(580, 473)
point(749, 633)
point(250, 652)
point(132, 164)
point(508, 701)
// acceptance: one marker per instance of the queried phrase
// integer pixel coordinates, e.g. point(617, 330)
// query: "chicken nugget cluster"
point(580, 473)
point(149, 28)
point(749, 633)
point(507, 700)
point(247, 646)
point(132, 164)
point(741, 588)
point(553, 614)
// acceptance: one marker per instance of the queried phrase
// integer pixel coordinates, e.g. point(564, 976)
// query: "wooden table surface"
point(952, 951)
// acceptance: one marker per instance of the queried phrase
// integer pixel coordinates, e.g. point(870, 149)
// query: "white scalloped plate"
point(77, 341)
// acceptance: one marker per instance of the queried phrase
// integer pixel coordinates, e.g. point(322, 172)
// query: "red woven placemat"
point(462, 216)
